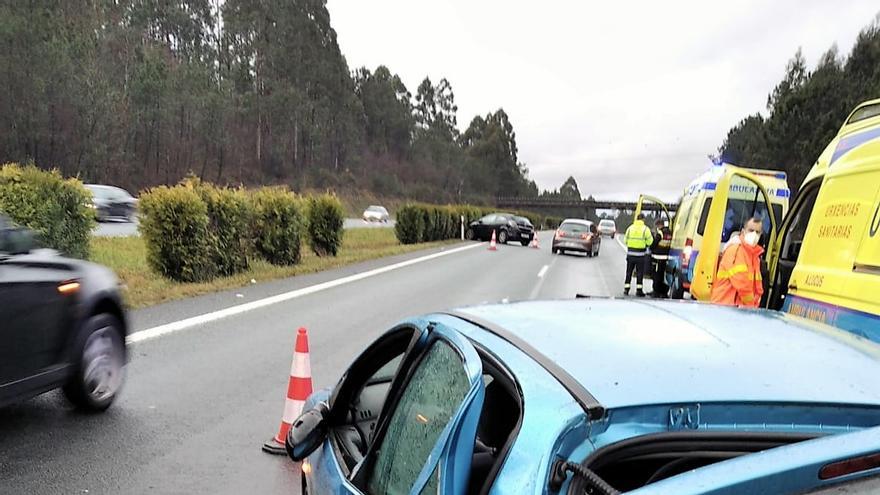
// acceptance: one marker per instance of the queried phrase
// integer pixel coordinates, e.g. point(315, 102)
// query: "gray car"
point(576, 235)
point(110, 202)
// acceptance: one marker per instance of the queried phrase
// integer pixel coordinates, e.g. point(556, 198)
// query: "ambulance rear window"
point(865, 112)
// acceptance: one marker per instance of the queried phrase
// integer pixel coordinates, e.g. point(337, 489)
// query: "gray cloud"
point(627, 97)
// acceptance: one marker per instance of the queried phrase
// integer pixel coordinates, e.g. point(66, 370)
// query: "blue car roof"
point(630, 353)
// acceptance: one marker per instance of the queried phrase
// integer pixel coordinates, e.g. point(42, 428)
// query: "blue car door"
point(426, 438)
point(845, 463)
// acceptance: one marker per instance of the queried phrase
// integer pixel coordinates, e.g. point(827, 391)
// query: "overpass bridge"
point(521, 203)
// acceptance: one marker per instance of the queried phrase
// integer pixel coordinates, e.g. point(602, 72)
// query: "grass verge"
point(127, 256)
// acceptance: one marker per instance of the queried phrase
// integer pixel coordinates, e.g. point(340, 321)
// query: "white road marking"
point(541, 280)
point(543, 271)
point(176, 326)
point(617, 238)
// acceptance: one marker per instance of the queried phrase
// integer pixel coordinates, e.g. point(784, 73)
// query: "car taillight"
point(560, 234)
point(849, 466)
point(686, 252)
point(585, 236)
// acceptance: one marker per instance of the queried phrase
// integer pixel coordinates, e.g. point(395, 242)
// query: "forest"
point(144, 92)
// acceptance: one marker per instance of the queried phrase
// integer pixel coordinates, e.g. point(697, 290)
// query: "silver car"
point(376, 214)
point(607, 227)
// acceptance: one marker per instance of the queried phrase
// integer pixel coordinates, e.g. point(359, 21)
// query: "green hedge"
point(56, 208)
point(418, 222)
point(175, 227)
point(325, 221)
point(229, 219)
point(551, 222)
point(410, 226)
point(278, 225)
point(196, 231)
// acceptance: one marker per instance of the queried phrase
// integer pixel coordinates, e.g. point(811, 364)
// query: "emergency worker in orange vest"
point(738, 279)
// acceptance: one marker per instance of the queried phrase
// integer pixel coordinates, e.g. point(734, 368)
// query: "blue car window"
point(435, 392)
point(432, 487)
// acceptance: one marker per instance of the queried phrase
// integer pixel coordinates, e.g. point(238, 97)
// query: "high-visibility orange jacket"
point(738, 280)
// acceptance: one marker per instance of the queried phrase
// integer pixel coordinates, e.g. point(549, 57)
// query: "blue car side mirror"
point(307, 433)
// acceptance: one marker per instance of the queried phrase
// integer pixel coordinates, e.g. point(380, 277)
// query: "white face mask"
point(751, 238)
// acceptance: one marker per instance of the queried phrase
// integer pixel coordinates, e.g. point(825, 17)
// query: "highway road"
point(202, 396)
point(118, 228)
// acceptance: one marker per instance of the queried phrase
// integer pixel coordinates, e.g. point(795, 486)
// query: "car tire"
point(554, 250)
point(469, 234)
point(99, 366)
point(502, 237)
point(525, 242)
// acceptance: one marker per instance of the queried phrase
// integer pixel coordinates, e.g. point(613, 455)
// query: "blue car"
point(599, 396)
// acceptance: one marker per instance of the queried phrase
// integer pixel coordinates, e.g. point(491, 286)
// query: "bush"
point(552, 222)
point(326, 217)
point(228, 225)
point(175, 227)
point(56, 208)
point(278, 225)
point(410, 226)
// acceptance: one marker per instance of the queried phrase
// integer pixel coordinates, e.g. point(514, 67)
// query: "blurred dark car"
point(577, 235)
point(110, 202)
point(62, 325)
point(503, 224)
point(526, 229)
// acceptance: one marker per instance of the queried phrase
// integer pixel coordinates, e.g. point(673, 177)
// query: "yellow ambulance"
point(823, 259)
point(742, 189)
point(826, 262)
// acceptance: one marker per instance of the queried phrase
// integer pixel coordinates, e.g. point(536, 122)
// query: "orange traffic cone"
point(298, 390)
point(492, 246)
point(534, 244)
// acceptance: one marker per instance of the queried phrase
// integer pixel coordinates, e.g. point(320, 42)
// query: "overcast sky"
point(627, 97)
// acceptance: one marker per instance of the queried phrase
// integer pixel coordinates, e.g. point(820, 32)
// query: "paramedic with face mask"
point(738, 279)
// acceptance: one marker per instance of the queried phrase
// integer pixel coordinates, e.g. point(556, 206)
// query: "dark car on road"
point(577, 235)
point(110, 202)
point(526, 229)
point(503, 224)
point(61, 325)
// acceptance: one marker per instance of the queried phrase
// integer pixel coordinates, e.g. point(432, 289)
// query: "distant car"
point(607, 227)
point(62, 325)
point(110, 202)
point(376, 214)
point(577, 235)
point(598, 396)
point(503, 224)
point(526, 229)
